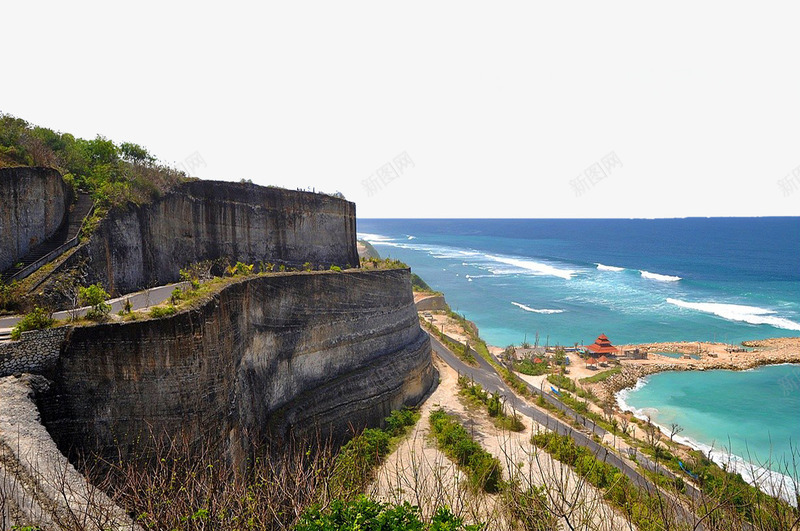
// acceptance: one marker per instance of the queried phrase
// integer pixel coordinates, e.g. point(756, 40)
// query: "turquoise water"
point(637, 281)
point(753, 414)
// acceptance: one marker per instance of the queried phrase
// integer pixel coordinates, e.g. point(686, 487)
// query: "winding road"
point(486, 375)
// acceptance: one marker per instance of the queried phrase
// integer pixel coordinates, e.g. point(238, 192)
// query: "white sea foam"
point(537, 268)
point(373, 238)
point(535, 310)
point(623, 395)
point(769, 481)
point(410, 237)
point(740, 312)
point(603, 267)
point(659, 277)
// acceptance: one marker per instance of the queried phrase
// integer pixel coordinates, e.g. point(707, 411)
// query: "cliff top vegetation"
point(112, 173)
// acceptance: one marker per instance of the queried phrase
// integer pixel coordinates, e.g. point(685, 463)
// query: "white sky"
point(500, 105)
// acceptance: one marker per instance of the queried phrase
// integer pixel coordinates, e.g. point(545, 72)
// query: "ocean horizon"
point(569, 280)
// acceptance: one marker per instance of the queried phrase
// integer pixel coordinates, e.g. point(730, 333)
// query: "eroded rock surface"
point(265, 357)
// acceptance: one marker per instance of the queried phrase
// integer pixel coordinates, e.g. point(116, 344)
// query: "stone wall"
point(431, 303)
point(147, 245)
point(34, 201)
point(35, 352)
point(267, 356)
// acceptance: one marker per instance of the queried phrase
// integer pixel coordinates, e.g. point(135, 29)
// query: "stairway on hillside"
point(68, 230)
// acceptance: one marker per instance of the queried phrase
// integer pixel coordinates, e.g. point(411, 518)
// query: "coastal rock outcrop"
point(34, 201)
point(266, 357)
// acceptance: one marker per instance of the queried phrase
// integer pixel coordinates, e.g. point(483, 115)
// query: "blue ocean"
point(566, 281)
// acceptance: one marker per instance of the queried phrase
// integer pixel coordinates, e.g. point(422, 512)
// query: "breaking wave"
point(739, 312)
point(603, 267)
point(534, 310)
point(537, 268)
point(656, 276)
point(373, 238)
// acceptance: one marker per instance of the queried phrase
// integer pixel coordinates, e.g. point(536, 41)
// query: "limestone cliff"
point(266, 356)
point(146, 245)
point(33, 202)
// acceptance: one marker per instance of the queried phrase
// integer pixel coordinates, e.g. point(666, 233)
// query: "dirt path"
point(419, 473)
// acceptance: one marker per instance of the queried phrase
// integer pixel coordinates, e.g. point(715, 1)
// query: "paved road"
point(139, 300)
point(486, 375)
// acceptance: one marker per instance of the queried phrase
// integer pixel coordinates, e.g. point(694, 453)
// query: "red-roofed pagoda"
point(601, 345)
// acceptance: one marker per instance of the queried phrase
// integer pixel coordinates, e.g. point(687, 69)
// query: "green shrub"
point(37, 319)
point(359, 457)
point(530, 368)
point(158, 312)
point(336, 268)
point(176, 295)
point(365, 514)
point(417, 284)
point(493, 402)
point(240, 268)
point(95, 296)
point(601, 376)
point(482, 468)
point(564, 382)
point(10, 295)
point(398, 422)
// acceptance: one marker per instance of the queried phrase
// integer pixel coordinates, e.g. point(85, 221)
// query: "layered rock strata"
point(264, 358)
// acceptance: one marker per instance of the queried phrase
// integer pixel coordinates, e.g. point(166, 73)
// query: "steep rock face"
point(201, 220)
point(265, 357)
point(34, 201)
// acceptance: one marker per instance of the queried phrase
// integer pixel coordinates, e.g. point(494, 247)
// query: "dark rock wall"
point(33, 202)
point(147, 245)
point(265, 357)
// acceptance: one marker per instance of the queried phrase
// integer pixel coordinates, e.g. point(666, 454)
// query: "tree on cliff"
point(113, 174)
point(95, 296)
point(135, 153)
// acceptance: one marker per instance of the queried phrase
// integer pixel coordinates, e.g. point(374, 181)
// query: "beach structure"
point(635, 353)
point(603, 361)
point(591, 362)
point(601, 347)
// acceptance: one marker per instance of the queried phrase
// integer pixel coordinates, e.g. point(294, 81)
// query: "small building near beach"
point(635, 354)
point(601, 346)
